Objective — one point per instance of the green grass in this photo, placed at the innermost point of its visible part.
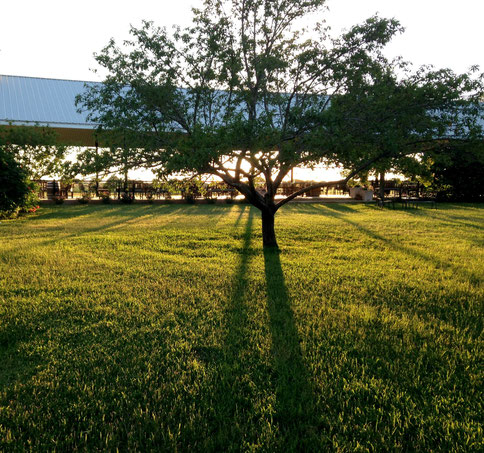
(168, 328)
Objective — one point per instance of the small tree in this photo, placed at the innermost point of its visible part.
(241, 94)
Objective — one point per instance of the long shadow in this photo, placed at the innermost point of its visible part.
(437, 262)
(295, 406)
(229, 403)
(448, 220)
(340, 208)
(241, 213)
(443, 312)
(303, 208)
(236, 312)
(102, 226)
(315, 208)
(54, 212)
(110, 210)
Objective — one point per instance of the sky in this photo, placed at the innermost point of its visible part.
(57, 38)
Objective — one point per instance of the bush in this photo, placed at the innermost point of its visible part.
(59, 200)
(105, 199)
(127, 198)
(17, 193)
(85, 199)
(190, 198)
(459, 174)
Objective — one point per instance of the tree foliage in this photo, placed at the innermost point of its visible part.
(245, 92)
(26, 153)
(16, 191)
(405, 120)
(457, 172)
(35, 148)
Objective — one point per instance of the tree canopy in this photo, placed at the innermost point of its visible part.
(36, 149)
(246, 92)
(26, 154)
(402, 120)
(16, 191)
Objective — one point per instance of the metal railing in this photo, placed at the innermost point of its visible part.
(50, 189)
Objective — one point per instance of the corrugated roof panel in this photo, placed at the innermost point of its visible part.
(27, 100)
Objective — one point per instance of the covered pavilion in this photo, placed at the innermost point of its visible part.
(33, 101)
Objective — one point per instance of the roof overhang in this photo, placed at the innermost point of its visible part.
(37, 102)
(70, 135)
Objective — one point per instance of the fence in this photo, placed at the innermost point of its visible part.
(50, 189)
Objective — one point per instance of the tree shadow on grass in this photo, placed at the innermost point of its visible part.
(295, 406)
(437, 262)
(231, 410)
(17, 364)
(236, 313)
(57, 238)
(109, 210)
(236, 418)
(448, 313)
(60, 213)
(241, 213)
(127, 218)
(315, 208)
(340, 208)
(446, 219)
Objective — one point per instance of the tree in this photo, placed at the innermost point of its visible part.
(457, 172)
(34, 148)
(407, 119)
(241, 94)
(26, 153)
(16, 191)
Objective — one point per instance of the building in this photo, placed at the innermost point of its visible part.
(33, 101)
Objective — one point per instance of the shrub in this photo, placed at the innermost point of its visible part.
(85, 199)
(127, 198)
(190, 199)
(59, 200)
(458, 174)
(17, 193)
(105, 198)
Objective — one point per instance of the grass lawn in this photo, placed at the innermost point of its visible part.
(167, 327)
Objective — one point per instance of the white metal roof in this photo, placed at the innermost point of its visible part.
(46, 102)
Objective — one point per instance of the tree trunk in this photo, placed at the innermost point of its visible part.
(268, 231)
(382, 186)
(125, 187)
